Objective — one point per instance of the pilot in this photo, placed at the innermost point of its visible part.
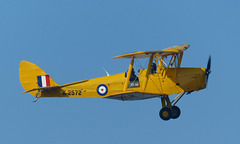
(133, 75)
(153, 68)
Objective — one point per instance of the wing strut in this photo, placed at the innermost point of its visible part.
(128, 75)
(148, 72)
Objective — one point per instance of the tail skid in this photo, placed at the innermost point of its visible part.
(37, 96)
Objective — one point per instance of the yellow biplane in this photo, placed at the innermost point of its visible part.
(162, 77)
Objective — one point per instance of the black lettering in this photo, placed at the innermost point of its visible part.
(64, 93)
(76, 92)
(69, 92)
(79, 92)
(73, 92)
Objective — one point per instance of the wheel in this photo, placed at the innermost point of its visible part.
(165, 113)
(175, 112)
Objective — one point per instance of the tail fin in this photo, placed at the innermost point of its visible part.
(32, 76)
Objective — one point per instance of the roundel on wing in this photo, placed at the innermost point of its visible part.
(102, 89)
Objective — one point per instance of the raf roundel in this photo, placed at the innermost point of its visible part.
(102, 89)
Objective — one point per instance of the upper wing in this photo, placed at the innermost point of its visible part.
(165, 52)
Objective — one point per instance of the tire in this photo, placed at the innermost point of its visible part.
(175, 112)
(165, 113)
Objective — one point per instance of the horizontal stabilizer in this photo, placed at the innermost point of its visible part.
(54, 87)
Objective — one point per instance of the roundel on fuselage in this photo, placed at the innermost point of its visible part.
(102, 89)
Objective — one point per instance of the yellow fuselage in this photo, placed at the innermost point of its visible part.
(167, 82)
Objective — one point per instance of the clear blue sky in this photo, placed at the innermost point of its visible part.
(72, 40)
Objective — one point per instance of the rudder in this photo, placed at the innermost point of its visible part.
(32, 76)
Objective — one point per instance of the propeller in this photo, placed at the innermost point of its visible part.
(208, 70)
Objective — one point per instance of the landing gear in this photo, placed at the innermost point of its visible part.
(175, 112)
(170, 111)
(165, 113)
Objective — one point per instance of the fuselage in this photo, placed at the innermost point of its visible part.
(167, 82)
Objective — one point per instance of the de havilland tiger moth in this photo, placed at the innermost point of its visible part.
(163, 77)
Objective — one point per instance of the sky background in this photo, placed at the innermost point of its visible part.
(73, 39)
